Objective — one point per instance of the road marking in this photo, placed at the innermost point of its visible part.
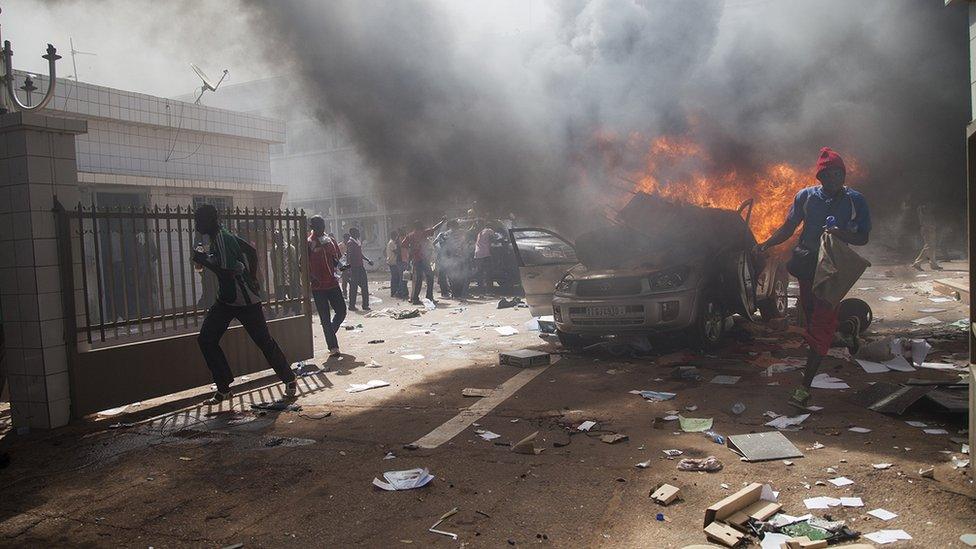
(453, 427)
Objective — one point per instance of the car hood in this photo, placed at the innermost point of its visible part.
(582, 272)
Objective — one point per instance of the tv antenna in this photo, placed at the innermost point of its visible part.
(208, 83)
(75, 52)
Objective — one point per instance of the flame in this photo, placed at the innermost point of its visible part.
(680, 169)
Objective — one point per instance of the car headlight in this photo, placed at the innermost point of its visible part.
(565, 285)
(668, 280)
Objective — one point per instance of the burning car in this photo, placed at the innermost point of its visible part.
(661, 267)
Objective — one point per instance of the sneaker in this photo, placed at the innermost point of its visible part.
(799, 398)
(219, 397)
(291, 389)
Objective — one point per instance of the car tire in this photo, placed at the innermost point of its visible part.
(572, 341)
(776, 305)
(709, 327)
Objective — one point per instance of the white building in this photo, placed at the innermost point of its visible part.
(146, 150)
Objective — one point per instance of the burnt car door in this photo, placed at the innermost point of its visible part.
(543, 258)
(745, 267)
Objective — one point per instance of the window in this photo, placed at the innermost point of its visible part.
(222, 203)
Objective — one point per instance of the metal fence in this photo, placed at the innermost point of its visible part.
(134, 280)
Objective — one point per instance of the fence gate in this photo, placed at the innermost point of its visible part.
(134, 301)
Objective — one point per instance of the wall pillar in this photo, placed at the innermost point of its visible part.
(37, 163)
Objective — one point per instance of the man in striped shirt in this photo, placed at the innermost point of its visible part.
(234, 261)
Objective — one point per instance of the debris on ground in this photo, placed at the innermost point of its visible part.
(709, 464)
(524, 358)
(433, 529)
(371, 384)
(787, 423)
(277, 406)
(725, 380)
(586, 426)
(504, 303)
(472, 392)
(527, 445)
(655, 396)
(765, 446)
(613, 438)
(695, 424)
(404, 480)
(487, 435)
(883, 537)
(665, 494)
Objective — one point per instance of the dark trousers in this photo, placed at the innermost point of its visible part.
(358, 281)
(396, 280)
(324, 301)
(422, 273)
(442, 282)
(252, 318)
(482, 267)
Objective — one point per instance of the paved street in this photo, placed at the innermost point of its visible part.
(170, 473)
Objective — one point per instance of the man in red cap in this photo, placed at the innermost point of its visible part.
(843, 212)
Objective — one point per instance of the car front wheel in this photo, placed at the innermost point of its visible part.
(709, 326)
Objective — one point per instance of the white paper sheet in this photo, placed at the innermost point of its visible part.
(506, 331)
(931, 310)
(821, 502)
(891, 298)
(487, 435)
(851, 502)
(861, 430)
(772, 540)
(941, 299)
(919, 424)
(785, 422)
(882, 514)
(371, 384)
(920, 350)
(873, 367)
(888, 536)
(404, 480)
(840, 481)
(935, 431)
(899, 364)
(927, 321)
(413, 357)
(824, 381)
(938, 366)
(586, 425)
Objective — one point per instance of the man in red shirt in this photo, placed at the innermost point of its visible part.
(323, 256)
(417, 243)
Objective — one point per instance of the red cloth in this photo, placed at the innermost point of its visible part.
(416, 243)
(829, 159)
(323, 255)
(821, 319)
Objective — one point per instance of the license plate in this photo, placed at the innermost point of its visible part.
(605, 311)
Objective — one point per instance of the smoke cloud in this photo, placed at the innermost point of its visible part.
(446, 107)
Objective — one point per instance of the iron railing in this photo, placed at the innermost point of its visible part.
(133, 280)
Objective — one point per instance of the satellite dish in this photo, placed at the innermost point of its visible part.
(208, 83)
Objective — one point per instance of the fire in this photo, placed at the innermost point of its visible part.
(680, 169)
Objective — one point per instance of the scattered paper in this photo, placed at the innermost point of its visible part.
(586, 425)
(487, 435)
(941, 299)
(938, 366)
(840, 481)
(726, 380)
(655, 396)
(891, 298)
(920, 350)
(882, 514)
(780, 520)
(785, 422)
(506, 331)
(935, 431)
(881, 466)
(772, 540)
(918, 424)
(613, 438)
(861, 430)
(931, 310)
(926, 321)
(824, 381)
(899, 364)
(851, 502)
(389, 455)
(695, 424)
(404, 480)
(672, 452)
(768, 494)
(643, 464)
(872, 367)
(821, 502)
(371, 384)
(413, 357)
(887, 536)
